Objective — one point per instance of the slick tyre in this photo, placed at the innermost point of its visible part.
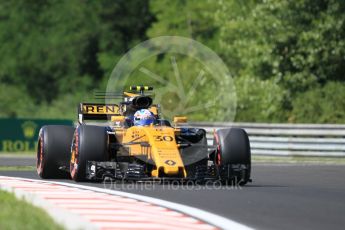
(53, 151)
(233, 149)
(90, 143)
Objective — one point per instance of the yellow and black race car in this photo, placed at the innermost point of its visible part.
(137, 144)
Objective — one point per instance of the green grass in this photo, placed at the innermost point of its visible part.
(17, 154)
(298, 159)
(18, 214)
(17, 168)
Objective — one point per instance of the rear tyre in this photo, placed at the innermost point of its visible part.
(53, 151)
(90, 143)
(233, 156)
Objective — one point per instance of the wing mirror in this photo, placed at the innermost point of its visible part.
(179, 120)
(118, 119)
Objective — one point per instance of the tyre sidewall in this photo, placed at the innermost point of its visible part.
(233, 146)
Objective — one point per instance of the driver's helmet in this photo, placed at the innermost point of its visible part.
(143, 117)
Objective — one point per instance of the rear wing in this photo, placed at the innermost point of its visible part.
(96, 111)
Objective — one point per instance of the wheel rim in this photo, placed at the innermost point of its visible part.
(74, 155)
(218, 154)
(40, 155)
(218, 159)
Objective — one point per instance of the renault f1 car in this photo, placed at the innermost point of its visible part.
(123, 151)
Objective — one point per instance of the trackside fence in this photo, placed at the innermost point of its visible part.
(288, 139)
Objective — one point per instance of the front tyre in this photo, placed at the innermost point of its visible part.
(233, 157)
(90, 143)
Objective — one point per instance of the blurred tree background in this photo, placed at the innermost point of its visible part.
(287, 58)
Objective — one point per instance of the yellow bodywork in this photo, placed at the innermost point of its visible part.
(155, 143)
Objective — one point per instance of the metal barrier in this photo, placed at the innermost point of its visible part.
(288, 139)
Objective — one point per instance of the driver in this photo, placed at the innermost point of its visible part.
(144, 117)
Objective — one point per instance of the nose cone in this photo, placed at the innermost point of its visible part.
(165, 152)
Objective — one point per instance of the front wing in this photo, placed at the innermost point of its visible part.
(99, 171)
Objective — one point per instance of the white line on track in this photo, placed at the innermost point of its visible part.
(85, 207)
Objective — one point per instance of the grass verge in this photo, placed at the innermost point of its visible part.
(298, 159)
(17, 154)
(18, 214)
(17, 168)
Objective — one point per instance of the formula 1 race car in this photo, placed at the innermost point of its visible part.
(137, 144)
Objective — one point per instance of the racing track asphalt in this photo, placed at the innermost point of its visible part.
(281, 196)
